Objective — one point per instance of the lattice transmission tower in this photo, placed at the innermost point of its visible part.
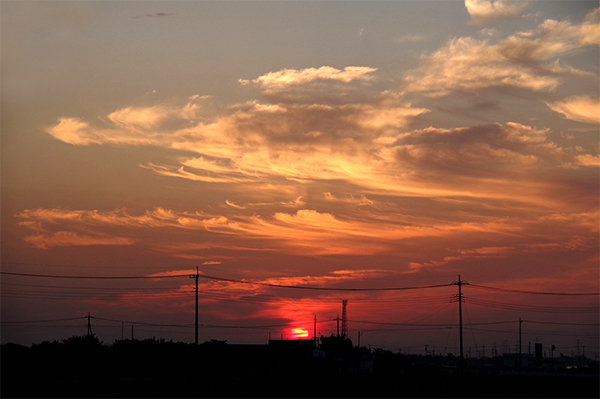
(344, 318)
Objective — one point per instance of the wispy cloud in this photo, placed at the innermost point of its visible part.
(411, 39)
(306, 231)
(69, 239)
(156, 15)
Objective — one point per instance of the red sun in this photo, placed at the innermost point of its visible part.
(297, 333)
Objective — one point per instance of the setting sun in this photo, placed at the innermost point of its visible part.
(298, 333)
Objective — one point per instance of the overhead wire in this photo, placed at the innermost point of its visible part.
(533, 292)
(169, 293)
(93, 277)
(214, 278)
(532, 308)
(204, 276)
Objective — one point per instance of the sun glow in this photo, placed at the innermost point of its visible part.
(298, 333)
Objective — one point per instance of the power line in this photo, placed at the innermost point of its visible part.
(533, 292)
(204, 276)
(564, 324)
(129, 289)
(142, 323)
(533, 308)
(321, 288)
(63, 265)
(431, 325)
(43, 321)
(94, 277)
(530, 333)
(225, 280)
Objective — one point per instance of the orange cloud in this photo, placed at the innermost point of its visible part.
(467, 64)
(68, 239)
(172, 273)
(588, 160)
(137, 117)
(585, 109)
(306, 231)
(287, 77)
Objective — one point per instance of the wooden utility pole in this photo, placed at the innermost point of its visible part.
(196, 276)
(315, 332)
(520, 346)
(460, 283)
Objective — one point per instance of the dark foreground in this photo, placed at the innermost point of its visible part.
(282, 386)
(159, 369)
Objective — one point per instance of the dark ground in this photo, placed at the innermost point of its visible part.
(253, 385)
(166, 369)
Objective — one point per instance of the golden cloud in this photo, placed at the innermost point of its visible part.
(289, 77)
(467, 64)
(585, 109)
(483, 12)
(69, 239)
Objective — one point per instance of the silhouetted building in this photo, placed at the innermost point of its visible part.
(538, 355)
(511, 360)
(295, 347)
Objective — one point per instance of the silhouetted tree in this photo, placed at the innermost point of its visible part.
(337, 347)
(83, 341)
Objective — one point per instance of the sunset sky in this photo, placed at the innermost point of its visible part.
(326, 144)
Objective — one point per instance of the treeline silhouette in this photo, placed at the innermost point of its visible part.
(82, 366)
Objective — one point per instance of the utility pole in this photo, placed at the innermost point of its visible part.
(89, 325)
(315, 332)
(196, 276)
(338, 325)
(520, 346)
(460, 283)
(132, 332)
(359, 339)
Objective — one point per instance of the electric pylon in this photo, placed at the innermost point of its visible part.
(89, 325)
(344, 318)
